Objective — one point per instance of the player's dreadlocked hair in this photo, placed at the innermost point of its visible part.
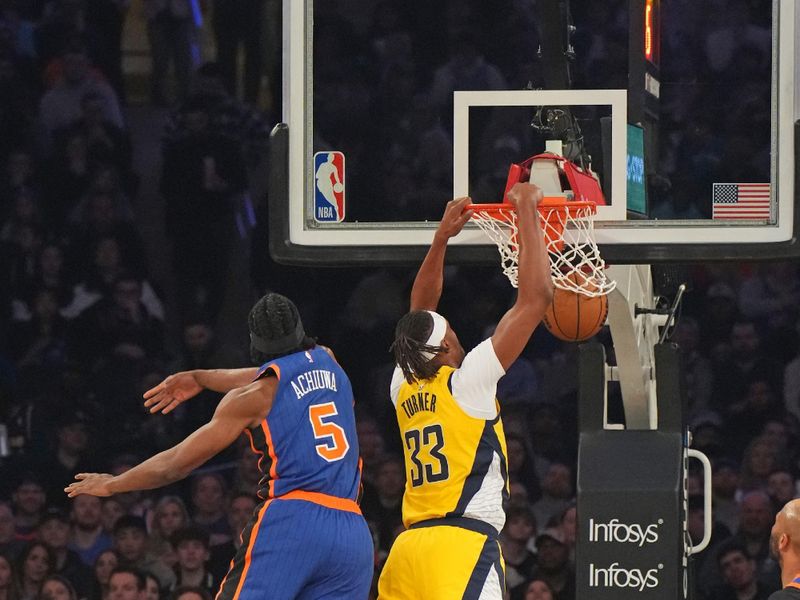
(276, 329)
(412, 331)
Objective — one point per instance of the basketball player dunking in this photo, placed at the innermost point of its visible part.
(452, 435)
(307, 538)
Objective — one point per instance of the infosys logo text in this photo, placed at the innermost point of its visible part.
(615, 576)
(624, 533)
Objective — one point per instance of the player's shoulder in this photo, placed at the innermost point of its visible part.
(788, 593)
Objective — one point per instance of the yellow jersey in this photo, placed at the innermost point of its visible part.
(453, 441)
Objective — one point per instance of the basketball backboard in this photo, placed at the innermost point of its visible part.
(686, 111)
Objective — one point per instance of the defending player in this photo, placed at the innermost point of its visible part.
(307, 539)
(452, 435)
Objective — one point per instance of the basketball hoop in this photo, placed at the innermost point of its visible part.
(568, 227)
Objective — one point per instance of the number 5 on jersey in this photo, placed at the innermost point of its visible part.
(334, 442)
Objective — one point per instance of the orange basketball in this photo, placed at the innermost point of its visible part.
(574, 317)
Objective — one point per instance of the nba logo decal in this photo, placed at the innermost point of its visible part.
(329, 187)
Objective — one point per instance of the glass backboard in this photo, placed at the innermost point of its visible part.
(686, 112)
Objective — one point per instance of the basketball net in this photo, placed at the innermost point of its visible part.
(568, 227)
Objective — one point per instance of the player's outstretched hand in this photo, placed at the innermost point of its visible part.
(525, 192)
(172, 392)
(456, 214)
(90, 484)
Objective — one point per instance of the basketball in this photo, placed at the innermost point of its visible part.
(338, 187)
(574, 317)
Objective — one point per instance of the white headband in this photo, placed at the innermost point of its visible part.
(437, 333)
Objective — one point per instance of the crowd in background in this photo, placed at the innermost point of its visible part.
(85, 328)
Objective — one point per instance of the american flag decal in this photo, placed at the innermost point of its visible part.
(741, 201)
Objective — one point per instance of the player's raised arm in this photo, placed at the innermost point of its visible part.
(535, 291)
(427, 288)
(239, 409)
(180, 387)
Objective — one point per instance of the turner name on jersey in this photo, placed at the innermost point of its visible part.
(418, 402)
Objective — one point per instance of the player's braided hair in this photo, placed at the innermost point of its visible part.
(410, 335)
(275, 317)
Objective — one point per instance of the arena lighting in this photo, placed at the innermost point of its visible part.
(648, 30)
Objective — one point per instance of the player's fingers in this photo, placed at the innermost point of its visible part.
(155, 390)
(154, 399)
(156, 407)
(170, 407)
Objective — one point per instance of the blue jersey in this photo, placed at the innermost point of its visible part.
(308, 440)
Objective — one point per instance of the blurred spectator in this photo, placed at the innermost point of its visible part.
(29, 501)
(19, 172)
(695, 364)
(105, 213)
(382, 507)
(35, 563)
(227, 116)
(569, 527)
(171, 30)
(57, 587)
(106, 142)
(557, 493)
(119, 326)
(371, 445)
(724, 485)
(189, 592)
(517, 494)
(781, 487)
(791, 387)
(538, 589)
(548, 438)
(203, 175)
(745, 363)
(553, 564)
(519, 530)
(771, 295)
(703, 563)
(88, 539)
(169, 515)
(107, 19)
(241, 509)
(718, 315)
(50, 274)
(130, 542)
(192, 549)
(130, 503)
(61, 105)
(69, 455)
(17, 102)
(755, 523)
(8, 578)
(240, 23)
(39, 343)
(10, 546)
(247, 476)
(467, 69)
(152, 589)
(201, 349)
(739, 575)
(759, 404)
(520, 465)
(54, 533)
(112, 510)
(105, 564)
(760, 458)
(126, 584)
(209, 497)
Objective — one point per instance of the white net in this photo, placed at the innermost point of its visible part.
(575, 261)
